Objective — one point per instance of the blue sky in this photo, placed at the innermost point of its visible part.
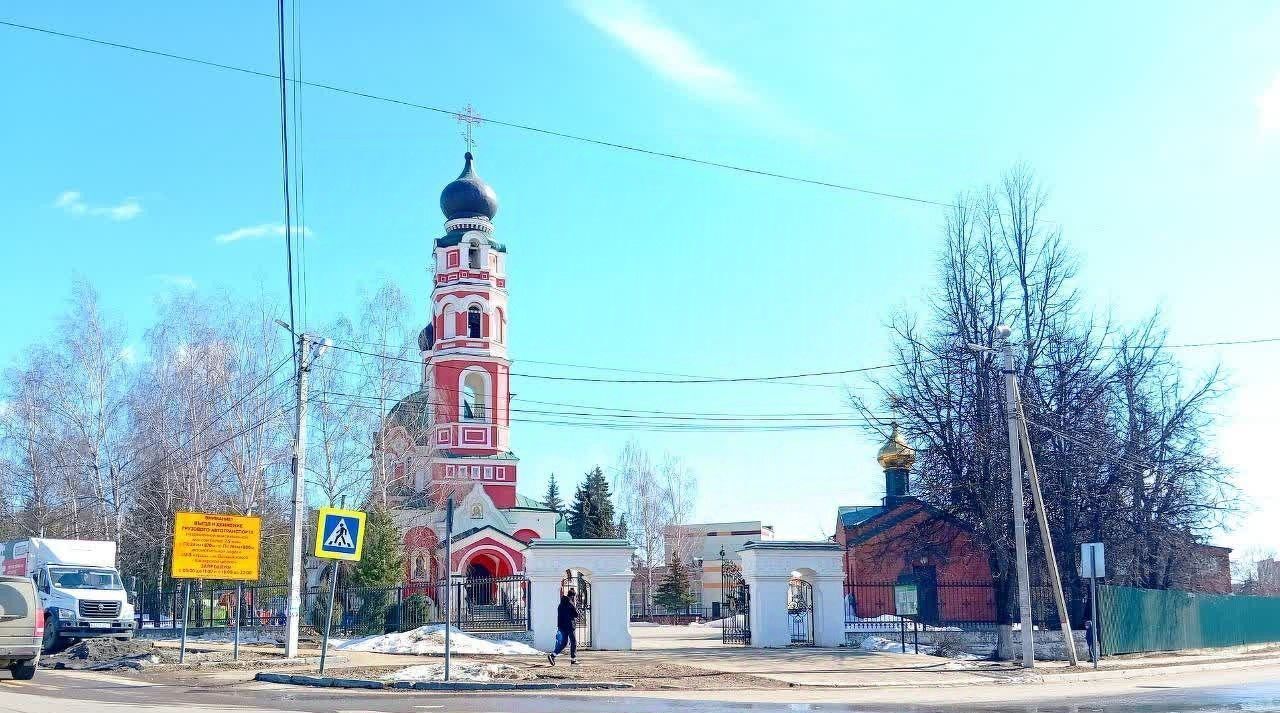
(1155, 125)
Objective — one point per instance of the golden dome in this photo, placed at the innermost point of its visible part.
(895, 453)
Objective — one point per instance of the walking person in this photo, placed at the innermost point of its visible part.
(566, 619)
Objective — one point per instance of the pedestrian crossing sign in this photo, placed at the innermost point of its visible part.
(340, 534)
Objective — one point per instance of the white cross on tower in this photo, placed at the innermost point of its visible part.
(468, 118)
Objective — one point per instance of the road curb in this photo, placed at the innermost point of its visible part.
(372, 684)
(1121, 673)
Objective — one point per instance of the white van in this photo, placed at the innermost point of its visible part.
(78, 586)
(21, 627)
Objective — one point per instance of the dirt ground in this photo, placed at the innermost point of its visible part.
(645, 675)
(139, 654)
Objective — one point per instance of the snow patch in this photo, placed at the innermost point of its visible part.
(429, 640)
(460, 671)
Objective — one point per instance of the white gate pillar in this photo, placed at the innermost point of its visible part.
(768, 568)
(606, 564)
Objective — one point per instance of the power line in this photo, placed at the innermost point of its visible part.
(622, 370)
(652, 426)
(1095, 448)
(1196, 345)
(707, 380)
(523, 399)
(284, 175)
(299, 171)
(208, 424)
(509, 124)
(630, 414)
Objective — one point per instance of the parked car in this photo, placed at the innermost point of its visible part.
(21, 626)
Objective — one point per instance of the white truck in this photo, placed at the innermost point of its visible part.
(79, 587)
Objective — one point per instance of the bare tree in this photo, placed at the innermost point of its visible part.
(1118, 434)
(384, 329)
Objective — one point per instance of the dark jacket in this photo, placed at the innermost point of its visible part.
(566, 614)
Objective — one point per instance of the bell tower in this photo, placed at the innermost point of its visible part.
(466, 370)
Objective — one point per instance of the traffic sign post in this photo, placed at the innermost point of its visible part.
(214, 546)
(339, 536)
(1093, 564)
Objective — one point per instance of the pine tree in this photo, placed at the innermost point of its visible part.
(552, 499)
(623, 532)
(382, 562)
(592, 514)
(380, 565)
(676, 591)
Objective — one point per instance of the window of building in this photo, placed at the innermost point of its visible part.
(450, 322)
(473, 321)
(473, 256)
(474, 396)
(500, 326)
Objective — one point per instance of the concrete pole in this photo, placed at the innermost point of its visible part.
(1019, 506)
(1042, 517)
(298, 469)
(448, 581)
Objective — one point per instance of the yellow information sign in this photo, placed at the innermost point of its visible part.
(212, 546)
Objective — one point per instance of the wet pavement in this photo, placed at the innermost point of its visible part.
(66, 692)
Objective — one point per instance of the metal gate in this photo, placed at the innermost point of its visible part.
(578, 583)
(735, 605)
(800, 612)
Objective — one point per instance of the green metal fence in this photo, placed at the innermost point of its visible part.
(1135, 620)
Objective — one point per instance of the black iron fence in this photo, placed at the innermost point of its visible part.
(659, 614)
(484, 605)
(871, 606)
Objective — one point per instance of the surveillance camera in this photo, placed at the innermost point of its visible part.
(1003, 331)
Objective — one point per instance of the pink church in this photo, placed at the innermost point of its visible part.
(453, 436)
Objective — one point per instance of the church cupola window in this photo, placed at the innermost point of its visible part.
(473, 255)
(473, 321)
(500, 325)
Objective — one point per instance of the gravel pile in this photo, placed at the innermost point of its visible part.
(139, 654)
(109, 654)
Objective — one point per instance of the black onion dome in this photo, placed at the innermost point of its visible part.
(426, 338)
(468, 196)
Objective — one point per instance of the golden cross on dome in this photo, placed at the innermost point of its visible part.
(469, 119)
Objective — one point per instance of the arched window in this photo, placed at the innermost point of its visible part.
(474, 396)
(450, 322)
(419, 568)
(473, 321)
(473, 256)
(499, 329)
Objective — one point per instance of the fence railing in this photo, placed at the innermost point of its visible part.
(871, 606)
(494, 604)
(660, 614)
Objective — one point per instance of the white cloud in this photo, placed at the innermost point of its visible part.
(185, 282)
(265, 230)
(665, 50)
(1269, 107)
(73, 202)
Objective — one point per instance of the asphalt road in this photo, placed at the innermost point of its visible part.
(66, 692)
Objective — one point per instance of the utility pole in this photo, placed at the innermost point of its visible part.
(306, 345)
(448, 580)
(1043, 518)
(1019, 506)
